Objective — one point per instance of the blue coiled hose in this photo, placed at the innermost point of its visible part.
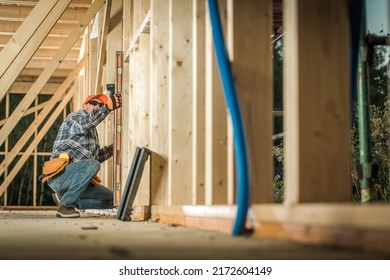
(242, 161)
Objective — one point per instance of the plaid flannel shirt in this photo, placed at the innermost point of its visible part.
(78, 136)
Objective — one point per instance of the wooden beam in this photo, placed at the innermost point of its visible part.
(159, 36)
(143, 132)
(216, 149)
(252, 68)
(316, 101)
(45, 75)
(40, 118)
(143, 28)
(26, 48)
(102, 47)
(198, 102)
(127, 142)
(26, 30)
(180, 103)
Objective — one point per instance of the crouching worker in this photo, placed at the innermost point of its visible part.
(77, 155)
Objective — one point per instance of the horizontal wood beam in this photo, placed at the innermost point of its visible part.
(366, 227)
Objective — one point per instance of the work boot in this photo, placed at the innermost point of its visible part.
(56, 197)
(67, 212)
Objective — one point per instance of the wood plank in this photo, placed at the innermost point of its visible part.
(143, 132)
(180, 103)
(114, 44)
(102, 47)
(45, 75)
(22, 36)
(26, 52)
(216, 153)
(159, 35)
(316, 102)
(126, 144)
(252, 68)
(144, 28)
(346, 225)
(198, 103)
(135, 76)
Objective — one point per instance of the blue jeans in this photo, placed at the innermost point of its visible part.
(74, 184)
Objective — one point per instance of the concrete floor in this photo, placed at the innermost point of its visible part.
(40, 235)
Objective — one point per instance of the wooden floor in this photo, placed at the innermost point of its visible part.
(40, 235)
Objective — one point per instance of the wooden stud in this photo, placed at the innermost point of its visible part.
(102, 47)
(198, 103)
(143, 132)
(252, 70)
(216, 123)
(180, 103)
(316, 101)
(159, 76)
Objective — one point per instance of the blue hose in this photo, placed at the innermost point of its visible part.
(240, 148)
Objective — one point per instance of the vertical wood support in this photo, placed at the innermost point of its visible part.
(216, 177)
(198, 102)
(118, 114)
(114, 44)
(144, 105)
(316, 101)
(126, 144)
(252, 69)
(180, 103)
(159, 35)
(143, 132)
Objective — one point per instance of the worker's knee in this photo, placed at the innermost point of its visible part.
(92, 165)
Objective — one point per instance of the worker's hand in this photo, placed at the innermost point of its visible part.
(114, 102)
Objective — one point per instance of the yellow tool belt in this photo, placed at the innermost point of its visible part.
(54, 166)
